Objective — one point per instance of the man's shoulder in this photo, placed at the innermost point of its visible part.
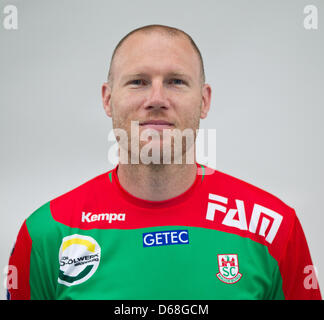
(240, 189)
(239, 207)
(61, 208)
(86, 190)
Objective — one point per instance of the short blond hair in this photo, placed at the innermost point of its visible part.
(171, 31)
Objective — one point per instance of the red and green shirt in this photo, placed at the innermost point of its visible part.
(223, 238)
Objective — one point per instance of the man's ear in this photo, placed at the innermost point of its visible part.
(106, 98)
(206, 99)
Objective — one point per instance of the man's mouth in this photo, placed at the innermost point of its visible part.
(156, 124)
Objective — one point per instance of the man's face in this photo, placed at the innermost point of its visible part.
(157, 82)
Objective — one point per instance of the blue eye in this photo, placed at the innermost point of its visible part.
(137, 82)
(177, 81)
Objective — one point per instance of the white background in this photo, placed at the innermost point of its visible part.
(265, 69)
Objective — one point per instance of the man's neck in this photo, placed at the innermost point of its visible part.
(156, 182)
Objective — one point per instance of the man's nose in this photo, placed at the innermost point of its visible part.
(157, 98)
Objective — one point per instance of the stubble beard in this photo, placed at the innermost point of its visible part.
(173, 146)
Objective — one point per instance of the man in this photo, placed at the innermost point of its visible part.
(161, 230)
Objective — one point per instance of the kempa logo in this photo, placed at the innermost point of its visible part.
(79, 257)
(91, 217)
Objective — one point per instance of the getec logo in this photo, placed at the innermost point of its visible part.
(164, 238)
(79, 257)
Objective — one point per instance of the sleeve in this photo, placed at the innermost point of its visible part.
(299, 280)
(18, 286)
(33, 264)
